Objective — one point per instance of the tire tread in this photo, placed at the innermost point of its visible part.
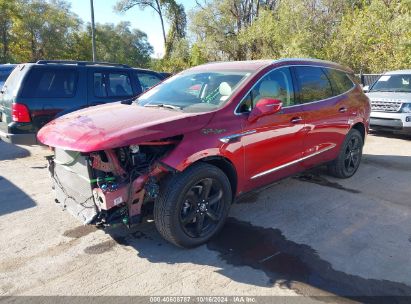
(169, 191)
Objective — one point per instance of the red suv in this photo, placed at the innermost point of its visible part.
(195, 142)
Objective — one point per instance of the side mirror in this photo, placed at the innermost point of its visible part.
(365, 89)
(265, 106)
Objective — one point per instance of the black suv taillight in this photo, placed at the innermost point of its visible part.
(20, 113)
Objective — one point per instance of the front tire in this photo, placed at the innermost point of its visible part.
(349, 158)
(193, 205)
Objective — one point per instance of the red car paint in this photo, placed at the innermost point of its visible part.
(294, 137)
(116, 125)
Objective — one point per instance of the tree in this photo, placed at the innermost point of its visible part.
(217, 25)
(178, 20)
(119, 43)
(374, 38)
(159, 6)
(8, 15)
(44, 30)
(299, 28)
(47, 29)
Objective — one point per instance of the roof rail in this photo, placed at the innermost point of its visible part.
(83, 63)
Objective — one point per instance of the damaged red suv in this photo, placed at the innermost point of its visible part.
(195, 142)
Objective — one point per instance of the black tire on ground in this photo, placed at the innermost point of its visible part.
(193, 205)
(349, 158)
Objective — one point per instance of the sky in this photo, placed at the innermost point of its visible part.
(146, 21)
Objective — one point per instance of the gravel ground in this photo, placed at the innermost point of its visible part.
(306, 235)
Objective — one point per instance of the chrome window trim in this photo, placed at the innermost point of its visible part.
(307, 103)
(292, 162)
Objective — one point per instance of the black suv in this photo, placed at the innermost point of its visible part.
(35, 93)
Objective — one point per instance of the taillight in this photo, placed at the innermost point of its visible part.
(20, 113)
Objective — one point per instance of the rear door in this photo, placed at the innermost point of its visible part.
(326, 112)
(110, 85)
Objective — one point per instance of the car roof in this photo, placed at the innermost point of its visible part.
(255, 65)
(398, 72)
(84, 64)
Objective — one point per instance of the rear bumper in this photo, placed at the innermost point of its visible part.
(19, 139)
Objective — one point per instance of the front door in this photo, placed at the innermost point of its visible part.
(273, 144)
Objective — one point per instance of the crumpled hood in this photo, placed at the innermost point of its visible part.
(116, 125)
(389, 96)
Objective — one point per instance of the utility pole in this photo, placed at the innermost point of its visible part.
(93, 37)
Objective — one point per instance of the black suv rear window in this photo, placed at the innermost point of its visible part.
(50, 83)
(340, 82)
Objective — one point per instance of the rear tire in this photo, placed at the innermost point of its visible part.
(193, 205)
(349, 158)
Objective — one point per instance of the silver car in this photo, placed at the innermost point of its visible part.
(390, 98)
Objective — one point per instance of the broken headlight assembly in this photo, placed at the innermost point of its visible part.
(111, 186)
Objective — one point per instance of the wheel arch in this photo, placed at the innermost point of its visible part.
(360, 127)
(225, 165)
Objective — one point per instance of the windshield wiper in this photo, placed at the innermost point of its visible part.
(163, 105)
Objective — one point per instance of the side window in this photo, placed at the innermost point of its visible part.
(99, 85)
(147, 80)
(276, 85)
(112, 85)
(340, 81)
(50, 83)
(314, 84)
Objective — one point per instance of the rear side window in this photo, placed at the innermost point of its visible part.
(314, 84)
(112, 85)
(147, 80)
(340, 81)
(50, 83)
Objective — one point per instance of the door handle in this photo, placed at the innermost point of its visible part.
(342, 110)
(295, 120)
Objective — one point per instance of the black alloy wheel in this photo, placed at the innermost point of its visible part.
(352, 155)
(349, 158)
(193, 205)
(202, 208)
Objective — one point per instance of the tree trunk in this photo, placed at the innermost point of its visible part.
(5, 44)
(33, 47)
(162, 22)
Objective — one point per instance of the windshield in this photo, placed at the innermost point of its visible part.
(194, 92)
(393, 83)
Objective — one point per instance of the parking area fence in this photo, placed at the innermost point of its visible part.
(368, 79)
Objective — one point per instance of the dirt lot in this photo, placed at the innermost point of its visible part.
(310, 235)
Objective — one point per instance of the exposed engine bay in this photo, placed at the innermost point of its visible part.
(110, 187)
